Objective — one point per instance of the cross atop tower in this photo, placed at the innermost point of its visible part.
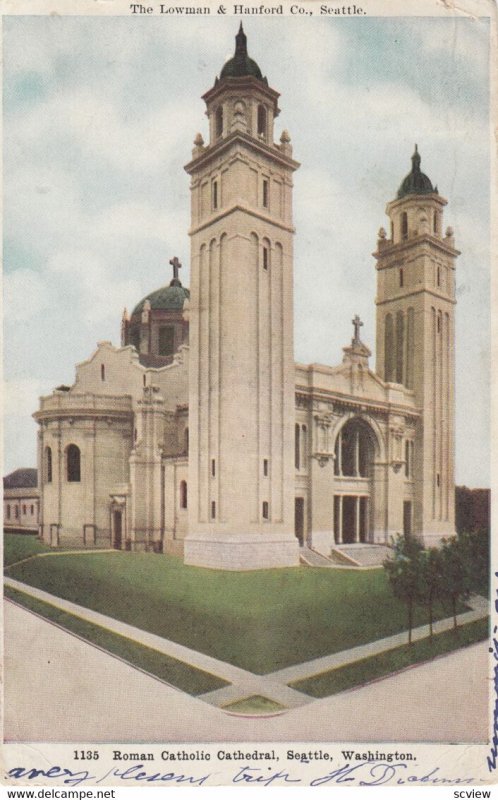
(357, 325)
(176, 264)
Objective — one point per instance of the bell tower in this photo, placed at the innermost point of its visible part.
(416, 339)
(241, 382)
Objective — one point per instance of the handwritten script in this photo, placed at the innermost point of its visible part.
(372, 774)
(492, 758)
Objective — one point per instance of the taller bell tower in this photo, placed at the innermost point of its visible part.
(416, 340)
(242, 385)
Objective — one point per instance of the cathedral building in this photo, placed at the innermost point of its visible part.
(200, 435)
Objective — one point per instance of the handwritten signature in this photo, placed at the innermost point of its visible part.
(371, 774)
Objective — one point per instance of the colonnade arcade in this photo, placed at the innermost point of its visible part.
(354, 455)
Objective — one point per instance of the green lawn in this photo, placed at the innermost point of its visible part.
(262, 621)
(185, 677)
(368, 669)
(17, 546)
(254, 705)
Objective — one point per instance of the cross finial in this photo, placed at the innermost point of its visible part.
(175, 263)
(357, 325)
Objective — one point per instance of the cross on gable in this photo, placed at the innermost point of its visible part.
(176, 264)
(357, 325)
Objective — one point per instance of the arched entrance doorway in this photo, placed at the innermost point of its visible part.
(354, 455)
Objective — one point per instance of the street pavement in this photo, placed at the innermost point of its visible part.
(60, 688)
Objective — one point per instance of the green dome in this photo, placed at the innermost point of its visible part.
(168, 298)
(416, 182)
(240, 65)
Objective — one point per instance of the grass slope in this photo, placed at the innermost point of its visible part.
(183, 676)
(262, 621)
(378, 666)
(18, 546)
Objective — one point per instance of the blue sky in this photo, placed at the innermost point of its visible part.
(99, 118)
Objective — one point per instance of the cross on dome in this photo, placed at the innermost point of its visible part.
(176, 264)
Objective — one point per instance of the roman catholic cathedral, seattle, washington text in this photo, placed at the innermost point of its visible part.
(200, 436)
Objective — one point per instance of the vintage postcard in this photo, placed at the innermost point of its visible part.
(247, 461)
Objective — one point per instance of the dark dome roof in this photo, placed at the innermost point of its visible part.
(416, 182)
(168, 298)
(240, 65)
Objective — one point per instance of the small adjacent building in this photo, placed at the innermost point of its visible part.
(21, 501)
(201, 436)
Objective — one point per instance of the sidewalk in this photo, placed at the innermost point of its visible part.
(59, 688)
(244, 683)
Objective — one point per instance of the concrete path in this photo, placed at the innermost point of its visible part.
(243, 683)
(59, 688)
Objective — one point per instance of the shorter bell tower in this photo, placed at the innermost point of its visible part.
(416, 339)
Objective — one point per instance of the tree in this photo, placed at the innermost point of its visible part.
(403, 571)
(456, 574)
(430, 581)
(475, 547)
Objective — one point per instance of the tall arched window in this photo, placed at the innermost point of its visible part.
(389, 348)
(400, 339)
(410, 347)
(262, 121)
(73, 463)
(404, 225)
(219, 122)
(297, 447)
(185, 441)
(48, 465)
(183, 494)
(304, 443)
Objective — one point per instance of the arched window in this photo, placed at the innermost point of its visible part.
(183, 494)
(389, 349)
(297, 447)
(404, 225)
(166, 340)
(219, 122)
(304, 443)
(407, 459)
(400, 339)
(262, 121)
(102, 372)
(48, 465)
(266, 511)
(266, 254)
(185, 441)
(436, 222)
(266, 193)
(8, 511)
(401, 278)
(438, 278)
(73, 463)
(354, 451)
(410, 346)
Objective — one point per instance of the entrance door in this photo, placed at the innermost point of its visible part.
(299, 520)
(407, 517)
(118, 532)
(348, 519)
